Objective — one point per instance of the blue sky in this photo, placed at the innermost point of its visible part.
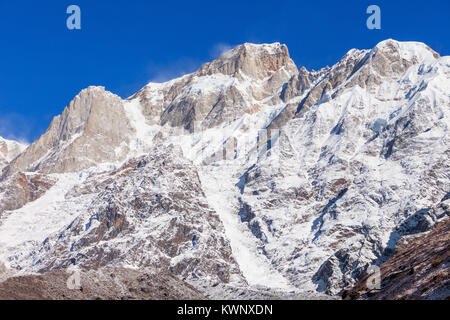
(125, 44)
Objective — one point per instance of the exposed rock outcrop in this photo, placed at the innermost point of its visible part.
(101, 284)
(19, 189)
(9, 149)
(420, 270)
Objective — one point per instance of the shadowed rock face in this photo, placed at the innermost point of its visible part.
(420, 270)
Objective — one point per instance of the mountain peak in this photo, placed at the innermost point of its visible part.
(246, 173)
(241, 81)
(90, 130)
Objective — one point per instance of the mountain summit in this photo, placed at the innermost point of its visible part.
(247, 173)
(9, 149)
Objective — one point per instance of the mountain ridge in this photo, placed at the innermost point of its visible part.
(220, 65)
(307, 177)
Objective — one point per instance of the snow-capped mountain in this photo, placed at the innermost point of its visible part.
(247, 173)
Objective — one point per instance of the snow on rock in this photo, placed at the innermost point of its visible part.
(246, 173)
(25, 229)
(10, 149)
(221, 193)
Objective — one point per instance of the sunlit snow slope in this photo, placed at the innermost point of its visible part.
(248, 173)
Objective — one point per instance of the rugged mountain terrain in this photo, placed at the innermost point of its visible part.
(9, 149)
(248, 174)
(102, 284)
(419, 271)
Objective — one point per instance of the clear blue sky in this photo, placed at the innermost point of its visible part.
(124, 44)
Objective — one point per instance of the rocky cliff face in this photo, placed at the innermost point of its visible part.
(151, 212)
(93, 129)
(99, 127)
(20, 188)
(237, 83)
(9, 150)
(248, 173)
(343, 175)
(101, 284)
